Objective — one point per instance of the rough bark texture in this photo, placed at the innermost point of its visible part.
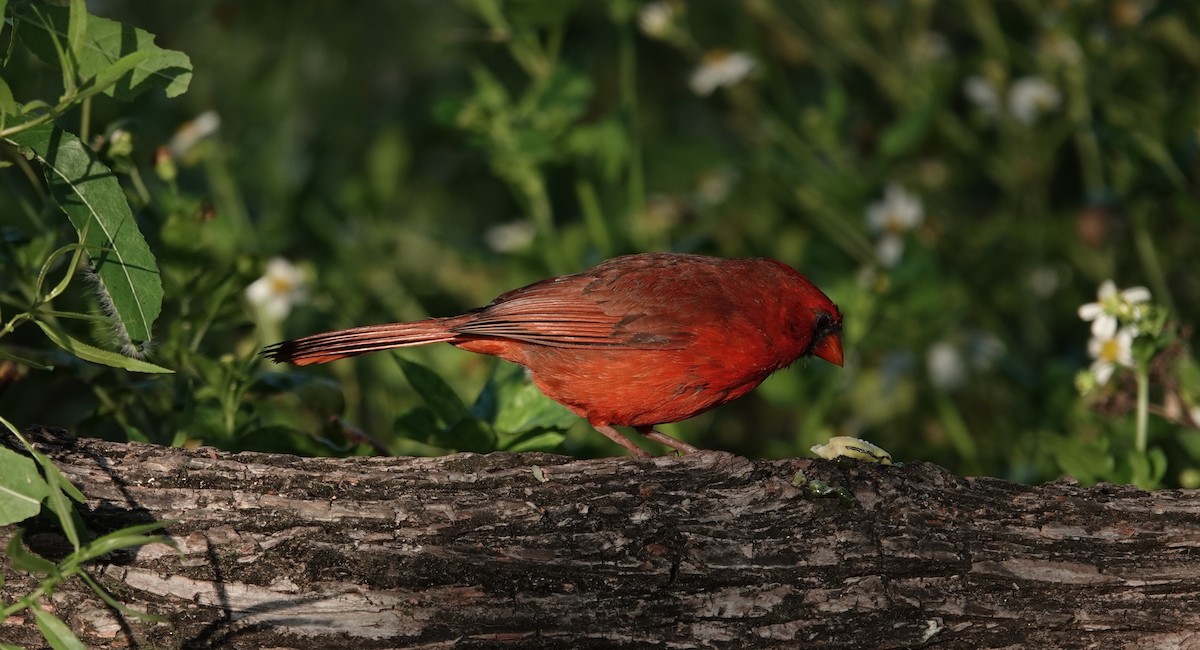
(539, 551)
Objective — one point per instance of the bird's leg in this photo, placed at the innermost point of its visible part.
(617, 437)
(663, 439)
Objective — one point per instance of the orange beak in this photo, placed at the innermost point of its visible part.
(829, 349)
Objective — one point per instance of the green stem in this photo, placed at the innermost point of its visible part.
(1143, 406)
(85, 118)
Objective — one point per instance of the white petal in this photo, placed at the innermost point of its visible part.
(1091, 311)
(259, 291)
(1103, 371)
(1104, 327)
(1136, 294)
(889, 250)
(947, 370)
(1108, 289)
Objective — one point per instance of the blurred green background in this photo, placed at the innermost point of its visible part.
(959, 176)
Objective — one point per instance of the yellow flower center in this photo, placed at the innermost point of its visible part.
(1110, 350)
(281, 285)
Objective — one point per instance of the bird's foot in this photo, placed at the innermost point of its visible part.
(617, 437)
(663, 439)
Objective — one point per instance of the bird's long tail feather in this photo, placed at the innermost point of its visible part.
(330, 346)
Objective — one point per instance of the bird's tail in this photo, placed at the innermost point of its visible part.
(330, 346)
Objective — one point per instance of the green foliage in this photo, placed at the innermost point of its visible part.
(89, 193)
(24, 489)
(118, 60)
(21, 488)
(510, 414)
(959, 177)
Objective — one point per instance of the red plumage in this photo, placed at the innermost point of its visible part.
(637, 341)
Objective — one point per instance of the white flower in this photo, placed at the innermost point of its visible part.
(889, 249)
(946, 367)
(1029, 97)
(656, 18)
(205, 124)
(898, 212)
(278, 290)
(1111, 305)
(890, 218)
(982, 94)
(510, 237)
(1110, 348)
(721, 68)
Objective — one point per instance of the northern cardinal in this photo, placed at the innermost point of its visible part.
(637, 341)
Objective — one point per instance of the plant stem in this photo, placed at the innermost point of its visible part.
(1143, 406)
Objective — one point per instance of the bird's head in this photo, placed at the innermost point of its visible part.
(827, 335)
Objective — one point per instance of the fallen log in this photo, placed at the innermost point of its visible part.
(707, 550)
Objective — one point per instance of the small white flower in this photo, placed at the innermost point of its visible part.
(1110, 348)
(946, 367)
(656, 18)
(897, 213)
(188, 135)
(278, 290)
(890, 218)
(982, 94)
(510, 237)
(721, 68)
(889, 249)
(1112, 305)
(1029, 97)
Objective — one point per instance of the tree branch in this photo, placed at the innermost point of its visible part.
(534, 550)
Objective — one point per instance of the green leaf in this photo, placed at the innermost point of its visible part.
(77, 24)
(514, 405)
(438, 395)
(116, 604)
(106, 42)
(124, 538)
(8, 104)
(98, 355)
(468, 434)
(58, 635)
(58, 503)
(107, 77)
(21, 487)
(24, 560)
(90, 195)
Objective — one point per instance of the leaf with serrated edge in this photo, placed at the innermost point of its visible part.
(106, 41)
(90, 195)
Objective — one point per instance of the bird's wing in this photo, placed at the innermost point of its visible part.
(576, 311)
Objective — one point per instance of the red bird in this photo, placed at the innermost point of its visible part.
(638, 341)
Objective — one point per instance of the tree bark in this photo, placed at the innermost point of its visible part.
(706, 550)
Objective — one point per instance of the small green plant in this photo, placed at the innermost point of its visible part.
(23, 491)
(96, 57)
